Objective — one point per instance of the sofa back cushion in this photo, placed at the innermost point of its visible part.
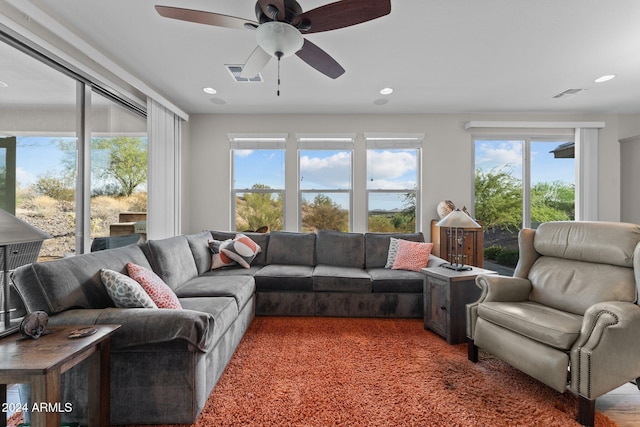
(340, 249)
(199, 245)
(291, 248)
(583, 263)
(172, 260)
(377, 246)
(73, 282)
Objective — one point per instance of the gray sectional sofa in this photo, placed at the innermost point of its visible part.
(165, 363)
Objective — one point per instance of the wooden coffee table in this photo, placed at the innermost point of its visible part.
(41, 362)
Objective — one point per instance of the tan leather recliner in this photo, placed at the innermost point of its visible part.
(569, 315)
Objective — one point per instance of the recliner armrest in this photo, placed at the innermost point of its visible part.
(605, 355)
(496, 288)
(503, 288)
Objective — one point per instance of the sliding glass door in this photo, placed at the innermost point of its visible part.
(522, 182)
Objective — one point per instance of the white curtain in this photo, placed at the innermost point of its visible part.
(164, 172)
(586, 155)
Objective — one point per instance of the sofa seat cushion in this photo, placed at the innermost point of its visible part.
(241, 288)
(331, 278)
(235, 270)
(223, 309)
(547, 325)
(280, 277)
(396, 281)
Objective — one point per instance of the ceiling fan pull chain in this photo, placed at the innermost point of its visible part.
(279, 55)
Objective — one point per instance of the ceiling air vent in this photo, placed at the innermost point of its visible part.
(235, 71)
(568, 93)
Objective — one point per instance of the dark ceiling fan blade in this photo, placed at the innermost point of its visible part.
(202, 17)
(255, 63)
(268, 5)
(320, 60)
(341, 14)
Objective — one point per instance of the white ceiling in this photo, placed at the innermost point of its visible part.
(439, 56)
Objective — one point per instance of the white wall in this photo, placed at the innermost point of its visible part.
(447, 164)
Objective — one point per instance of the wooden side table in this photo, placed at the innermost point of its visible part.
(41, 362)
(446, 293)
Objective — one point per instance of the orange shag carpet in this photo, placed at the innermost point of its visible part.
(299, 371)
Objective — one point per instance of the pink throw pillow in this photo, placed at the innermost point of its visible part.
(158, 291)
(412, 255)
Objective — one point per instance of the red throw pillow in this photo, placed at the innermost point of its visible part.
(158, 291)
(412, 255)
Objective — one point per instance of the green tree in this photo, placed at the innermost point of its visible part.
(380, 224)
(498, 197)
(552, 201)
(324, 214)
(121, 162)
(126, 163)
(259, 209)
(405, 221)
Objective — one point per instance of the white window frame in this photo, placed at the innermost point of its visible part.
(525, 178)
(325, 142)
(586, 155)
(255, 141)
(397, 141)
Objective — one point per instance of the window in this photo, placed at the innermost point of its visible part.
(325, 172)
(46, 183)
(392, 182)
(118, 170)
(39, 126)
(522, 182)
(258, 181)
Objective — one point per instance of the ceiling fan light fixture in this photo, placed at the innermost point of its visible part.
(605, 78)
(279, 39)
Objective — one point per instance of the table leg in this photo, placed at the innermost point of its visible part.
(46, 398)
(99, 386)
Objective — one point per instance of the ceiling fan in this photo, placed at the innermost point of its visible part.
(280, 25)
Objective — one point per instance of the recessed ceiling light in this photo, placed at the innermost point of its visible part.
(386, 91)
(605, 78)
(209, 90)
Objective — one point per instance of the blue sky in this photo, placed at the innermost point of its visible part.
(544, 167)
(36, 156)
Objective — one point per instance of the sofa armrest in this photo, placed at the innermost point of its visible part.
(605, 355)
(496, 288)
(141, 326)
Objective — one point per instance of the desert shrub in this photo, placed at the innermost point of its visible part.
(137, 202)
(508, 257)
(45, 206)
(55, 187)
(492, 252)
